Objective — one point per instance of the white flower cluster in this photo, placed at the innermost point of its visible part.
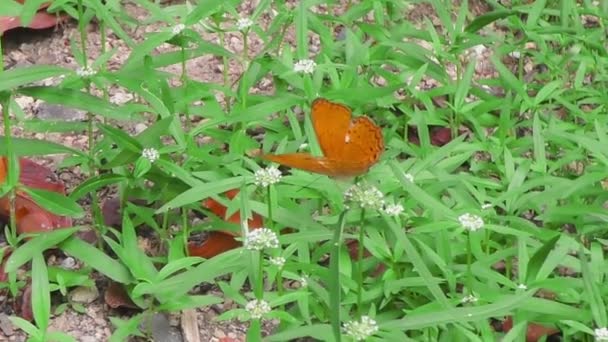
(601, 334)
(471, 222)
(151, 154)
(85, 72)
(277, 261)
(257, 308)
(365, 196)
(305, 66)
(243, 23)
(469, 299)
(177, 29)
(362, 329)
(258, 239)
(393, 209)
(267, 176)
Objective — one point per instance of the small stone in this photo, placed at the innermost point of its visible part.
(68, 263)
(88, 339)
(84, 295)
(140, 127)
(48, 111)
(5, 325)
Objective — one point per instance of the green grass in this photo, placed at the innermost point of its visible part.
(529, 157)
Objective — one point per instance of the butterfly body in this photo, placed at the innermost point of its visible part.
(350, 146)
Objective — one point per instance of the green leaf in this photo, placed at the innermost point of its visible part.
(201, 192)
(121, 138)
(537, 260)
(203, 10)
(10, 8)
(15, 78)
(41, 297)
(54, 202)
(79, 100)
(35, 147)
(483, 20)
(97, 259)
(41, 242)
(95, 183)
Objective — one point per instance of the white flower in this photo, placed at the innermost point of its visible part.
(469, 299)
(258, 239)
(515, 54)
(522, 287)
(409, 177)
(177, 29)
(243, 23)
(304, 281)
(393, 209)
(486, 206)
(277, 261)
(267, 176)
(85, 72)
(366, 196)
(257, 308)
(601, 334)
(305, 66)
(360, 330)
(151, 154)
(470, 222)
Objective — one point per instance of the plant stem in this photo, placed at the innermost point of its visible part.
(335, 287)
(469, 262)
(184, 78)
(360, 249)
(97, 217)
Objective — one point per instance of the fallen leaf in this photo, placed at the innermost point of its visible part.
(30, 216)
(535, 331)
(353, 250)
(219, 242)
(23, 303)
(41, 20)
(439, 135)
(117, 297)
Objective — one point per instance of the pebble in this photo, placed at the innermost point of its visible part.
(48, 111)
(68, 263)
(83, 294)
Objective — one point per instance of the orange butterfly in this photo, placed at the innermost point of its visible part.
(350, 147)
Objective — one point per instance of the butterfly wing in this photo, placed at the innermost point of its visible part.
(363, 147)
(349, 148)
(303, 161)
(331, 122)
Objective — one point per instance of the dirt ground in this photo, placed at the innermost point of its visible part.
(52, 46)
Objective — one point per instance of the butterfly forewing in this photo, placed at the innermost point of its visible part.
(331, 121)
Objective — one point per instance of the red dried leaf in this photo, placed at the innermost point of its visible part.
(221, 241)
(23, 303)
(116, 297)
(41, 20)
(30, 216)
(4, 275)
(535, 331)
(216, 243)
(229, 339)
(439, 135)
(353, 251)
